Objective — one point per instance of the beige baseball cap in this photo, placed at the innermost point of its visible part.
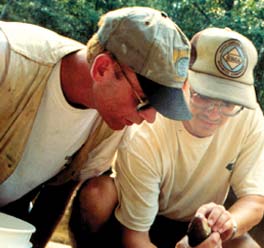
(221, 66)
(154, 47)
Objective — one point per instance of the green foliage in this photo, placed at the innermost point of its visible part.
(78, 18)
(75, 19)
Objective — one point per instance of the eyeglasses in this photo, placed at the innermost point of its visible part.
(208, 104)
(144, 103)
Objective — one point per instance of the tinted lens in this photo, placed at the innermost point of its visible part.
(208, 104)
(231, 112)
(148, 86)
(143, 106)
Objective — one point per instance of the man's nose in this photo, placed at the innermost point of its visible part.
(149, 115)
(214, 111)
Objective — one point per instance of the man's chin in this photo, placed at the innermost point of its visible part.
(116, 126)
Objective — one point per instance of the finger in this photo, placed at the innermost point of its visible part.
(206, 209)
(222, 222)
(229, 230)
(215, 214)
(214, 240)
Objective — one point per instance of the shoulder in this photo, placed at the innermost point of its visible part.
(145, 131)
(248, 125)
(249, 120)
(33, 41)
(160, 135)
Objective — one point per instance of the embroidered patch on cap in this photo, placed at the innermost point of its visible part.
(182, 65)
(230, 59)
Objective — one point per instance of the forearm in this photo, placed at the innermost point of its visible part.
(247, 212)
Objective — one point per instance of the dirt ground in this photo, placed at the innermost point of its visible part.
(61, 234)
(57, 245)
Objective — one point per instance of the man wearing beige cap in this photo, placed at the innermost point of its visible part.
(170, 171)
(60, 102)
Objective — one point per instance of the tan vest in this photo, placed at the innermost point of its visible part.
(32, 53)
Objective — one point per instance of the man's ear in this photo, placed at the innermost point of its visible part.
(102, 65)
(186, 85)
(186, 91)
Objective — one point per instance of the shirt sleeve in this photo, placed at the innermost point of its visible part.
(101, 157)
(248, 176)
(137, 181)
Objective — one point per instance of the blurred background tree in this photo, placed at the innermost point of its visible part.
(78, 18)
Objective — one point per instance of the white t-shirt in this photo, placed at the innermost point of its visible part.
(162, 169)
(59, 130)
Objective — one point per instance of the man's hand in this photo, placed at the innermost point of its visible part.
(213, 241)
(219, 219)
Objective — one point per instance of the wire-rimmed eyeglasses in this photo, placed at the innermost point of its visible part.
(144, 103)
(208, 104)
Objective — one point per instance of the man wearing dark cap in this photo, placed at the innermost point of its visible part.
(170, 171)
(61, 102)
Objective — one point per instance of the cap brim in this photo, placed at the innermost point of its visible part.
(223, 89)
(170, 102)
